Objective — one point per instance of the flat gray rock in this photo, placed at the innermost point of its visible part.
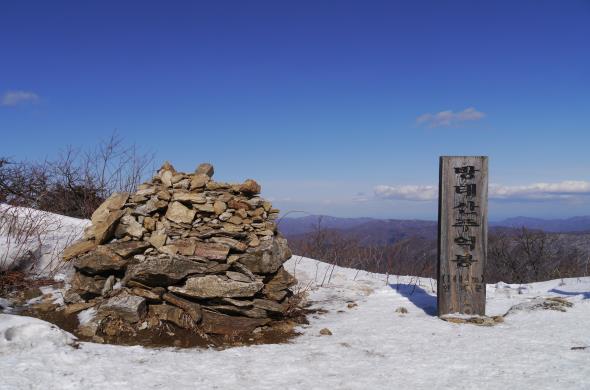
(155, 271)
(127, 307)
(213, 286)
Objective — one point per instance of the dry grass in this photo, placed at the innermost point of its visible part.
(15, 281)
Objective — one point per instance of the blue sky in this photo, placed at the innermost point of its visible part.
(335, 107)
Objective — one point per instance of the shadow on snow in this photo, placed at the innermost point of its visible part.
(586, 295)
(418, 296)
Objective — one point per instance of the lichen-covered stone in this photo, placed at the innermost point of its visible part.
(205, 169)
(211, 250)
(165, 271)
(177, 212)
(77, 249)
(113, 203)
(250, 187)
(100, 261)
(128, 226)
(87, 284)
(171, 314)
(128, 307)
(128, 248)
(269, 260)
(214, 286)
(217, 323)
(103, 230)
(193, 309)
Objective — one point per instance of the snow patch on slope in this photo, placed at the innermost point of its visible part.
(26, 333)
(42, 237)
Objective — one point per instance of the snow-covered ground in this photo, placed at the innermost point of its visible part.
(372, 345)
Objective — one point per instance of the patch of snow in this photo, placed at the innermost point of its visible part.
(118, 285)
(21, 334)
(57, 294)
(53, 233)
(85, 316)
(5, 305)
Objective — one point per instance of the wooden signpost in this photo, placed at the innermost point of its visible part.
(462, 235)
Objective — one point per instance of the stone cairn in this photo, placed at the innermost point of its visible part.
(183, 249)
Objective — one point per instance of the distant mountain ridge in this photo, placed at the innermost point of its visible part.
(301, 225)
(568, 225)
(387, 231)
(367, 230)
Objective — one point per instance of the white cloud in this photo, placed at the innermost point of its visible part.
(406, 192)
(14, 98)
(537, 191)
(540, 191)
(449, 118)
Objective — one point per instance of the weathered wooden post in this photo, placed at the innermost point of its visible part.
(462, 235)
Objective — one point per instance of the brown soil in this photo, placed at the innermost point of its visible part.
(164, 334)
(169, 335)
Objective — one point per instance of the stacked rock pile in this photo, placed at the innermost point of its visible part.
(183, 249)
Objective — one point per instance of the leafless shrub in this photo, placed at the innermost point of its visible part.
(528, 255)
(74, 184)
(514, 255)
(295, 302)
(77, 182)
